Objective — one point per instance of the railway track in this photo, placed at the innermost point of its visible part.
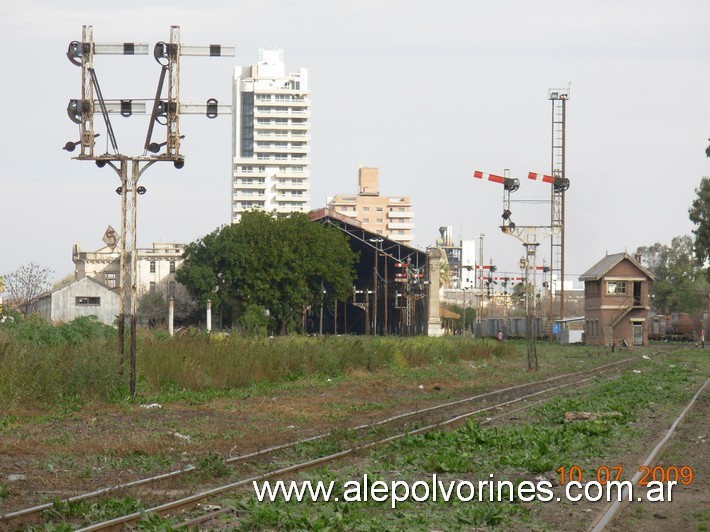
(447, 414)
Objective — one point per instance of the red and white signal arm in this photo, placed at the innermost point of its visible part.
(490, 177)
(541, 177)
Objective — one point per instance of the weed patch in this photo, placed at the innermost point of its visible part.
(585, 428)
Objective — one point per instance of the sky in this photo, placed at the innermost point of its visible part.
(427, 92)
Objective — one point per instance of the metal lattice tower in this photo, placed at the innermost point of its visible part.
(559, 98)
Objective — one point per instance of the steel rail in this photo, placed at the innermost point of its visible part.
(611, 511)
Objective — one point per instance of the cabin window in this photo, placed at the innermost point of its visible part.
(616, 287)
(591, 288)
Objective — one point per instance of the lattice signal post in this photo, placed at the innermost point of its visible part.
(530, 236)
(165, 111)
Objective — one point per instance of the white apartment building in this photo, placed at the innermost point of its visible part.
(270, 137)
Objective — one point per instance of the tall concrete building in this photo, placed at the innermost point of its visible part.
(270, 137)
(389, 216)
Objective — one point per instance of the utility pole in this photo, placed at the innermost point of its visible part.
(377, 243)
(479, 313)
(463, 328)
(387, 286)
(165, 111)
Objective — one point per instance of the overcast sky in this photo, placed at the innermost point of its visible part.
(427, 92)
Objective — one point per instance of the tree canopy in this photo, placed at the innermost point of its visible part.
(699, 214)
(283, 264)
(678, 286)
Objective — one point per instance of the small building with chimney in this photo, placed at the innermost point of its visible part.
(387, 216)
(616, 305)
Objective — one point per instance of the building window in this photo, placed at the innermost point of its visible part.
(591, 288)
(366, 220)
(172, 266)
(379, 220)
(366, 209)
(152, 266)
(152, 287)
(110, 279)
(247, 125)
(379, 209)
(616, 287)
(87, 300)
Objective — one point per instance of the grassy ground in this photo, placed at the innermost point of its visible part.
(229, 395)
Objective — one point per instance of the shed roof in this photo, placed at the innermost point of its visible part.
(76, 281)
(601, 268)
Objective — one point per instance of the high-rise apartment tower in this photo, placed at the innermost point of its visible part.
(270, 137)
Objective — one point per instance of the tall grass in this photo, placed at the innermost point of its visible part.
(209, 363)
(48, 365)
(67, 365)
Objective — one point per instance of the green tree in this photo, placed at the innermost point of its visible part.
(254, 321)
(678, 286)
(279, 263)
(153, 306)
(699, 214)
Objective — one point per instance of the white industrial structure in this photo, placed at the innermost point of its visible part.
(155, 267)
(270, 137)
(468, 264)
